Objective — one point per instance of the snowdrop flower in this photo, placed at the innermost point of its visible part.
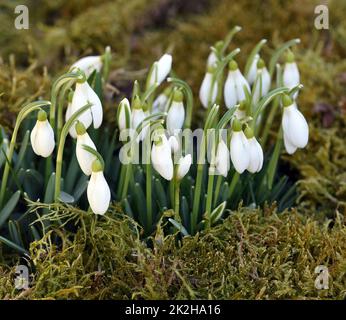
(124, 115)
(222, 160)
(69, 104)
(161, 157)
(294, 125)
(160, 104)
(42, 136)
(183, 168)
(262, 83)
(84, 157)
(212, 59)
(173, 142)
(205, 89)
(98, 192)
(176, 114)
(234, 86)
(239, 148)
(251, 76)
(138, 115)
(255, 152)
(160, 70)
(88, 64)
(291, 76)
(84, 94)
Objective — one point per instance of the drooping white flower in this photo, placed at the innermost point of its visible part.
(173, 142)
(160, 104)
(124, 115)
(294, 125)
(160, 69)
(239, 148)
(205, 91)
(138, 115)
(212, 59)
(82, 95)
(88, 64)
(161, 157)
(84, 157)
(262, 83)
(251, 76)
(222, 160)
(184, 165)
(98, 192)
(291, 77)
(255, 152)
(42, 136)
(176, 114)
(234, 91)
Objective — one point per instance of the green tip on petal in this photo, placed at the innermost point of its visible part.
(286, 100)
(136, 103)
(178, 96)
(80, 128)
(96, 166)
(236, 125)
(248, 133)
(290, 57)
(145, 106)
(260, 64)
(232, 66)
(42, 115)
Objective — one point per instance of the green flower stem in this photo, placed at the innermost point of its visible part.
(177, 200)
(148, 189)
(123, 170)
(25, 111)
(217, 189)
(128, 174)
(60, 154)
(229, 38)
(200, 166)
(233, 184)
(269, 121)
(210, 191)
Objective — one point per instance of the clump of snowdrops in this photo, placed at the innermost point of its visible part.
(156, 166)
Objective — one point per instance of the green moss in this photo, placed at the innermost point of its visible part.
(253, 254)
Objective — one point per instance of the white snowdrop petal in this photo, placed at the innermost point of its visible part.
(184, 165)
(251, 76)
(205, 90)
(164, 67)
(88, 64)
(230, 92)
(175, 117)
(161, 159)
(43, 139)
(222, 160)
(240, 83)
(33, 139)
(173, 142)
(159, 104)
(84, 157)
(295, 127)
(239, 152)
(98, 193)
(290, 148)
(79, 100)
(212, 59)
(96, 107)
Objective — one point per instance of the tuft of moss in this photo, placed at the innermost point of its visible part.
(253, 254)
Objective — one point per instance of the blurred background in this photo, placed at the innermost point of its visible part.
(139, 31)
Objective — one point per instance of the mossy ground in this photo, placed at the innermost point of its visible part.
(253, 254)
(259, 254)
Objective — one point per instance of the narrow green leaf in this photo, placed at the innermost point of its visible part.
(179, 226)
(9, 207)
